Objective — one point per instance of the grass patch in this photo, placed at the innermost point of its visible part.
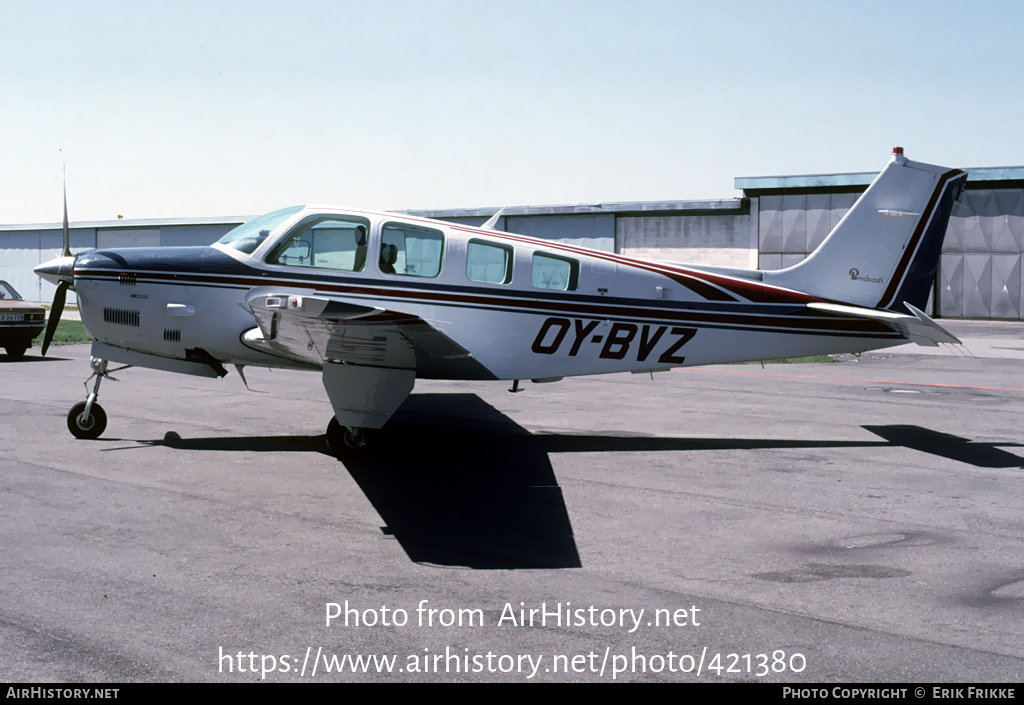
(809, 359)
(67, 333)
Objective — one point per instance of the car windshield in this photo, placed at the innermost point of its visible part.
(7, 292)
(248, 236)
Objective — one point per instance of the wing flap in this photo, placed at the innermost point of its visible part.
(312, 330)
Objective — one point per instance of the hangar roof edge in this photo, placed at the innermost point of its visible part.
(483, 212)
(742, 183)
(581, 208)
(863, 178)
(133, 223)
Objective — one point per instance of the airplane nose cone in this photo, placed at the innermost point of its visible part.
(57, 270)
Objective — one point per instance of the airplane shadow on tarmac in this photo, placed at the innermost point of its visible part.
(459, 483)
(946, 445)
(456, 482)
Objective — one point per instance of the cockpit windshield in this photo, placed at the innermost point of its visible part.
(248, 236)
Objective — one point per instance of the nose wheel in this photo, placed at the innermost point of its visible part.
(87, 419)
(89, 425)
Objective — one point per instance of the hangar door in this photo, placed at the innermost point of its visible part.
(980, 269)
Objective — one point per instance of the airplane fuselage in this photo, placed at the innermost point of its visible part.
(595, 312)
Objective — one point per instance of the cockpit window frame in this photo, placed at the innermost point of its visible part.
(309, 223)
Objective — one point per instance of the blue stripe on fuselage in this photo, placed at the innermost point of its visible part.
(245, 278)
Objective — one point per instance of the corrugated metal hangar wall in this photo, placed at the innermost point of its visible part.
(718, 233)
(776, 224)
(980, 271)
(24, 247)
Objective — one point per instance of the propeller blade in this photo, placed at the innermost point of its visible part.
(55, 311)
(67, 231)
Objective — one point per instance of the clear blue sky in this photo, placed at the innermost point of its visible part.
(180, 109)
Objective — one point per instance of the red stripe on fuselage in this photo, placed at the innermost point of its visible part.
(714, 287)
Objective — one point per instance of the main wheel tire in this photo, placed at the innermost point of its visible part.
(87, 428)
(341, 439)
(335, 441)
(16, 352)
(355, 438)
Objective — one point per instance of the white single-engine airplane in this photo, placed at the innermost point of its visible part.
(375, 300)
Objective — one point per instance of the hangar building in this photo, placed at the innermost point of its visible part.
(775, 224)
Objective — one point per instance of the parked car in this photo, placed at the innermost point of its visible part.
(20, 322)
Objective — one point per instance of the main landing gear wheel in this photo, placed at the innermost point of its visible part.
(341, 438)
(87, 427)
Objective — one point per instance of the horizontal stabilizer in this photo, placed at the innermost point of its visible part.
(918, 328)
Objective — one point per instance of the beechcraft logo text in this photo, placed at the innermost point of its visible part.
(855, 275)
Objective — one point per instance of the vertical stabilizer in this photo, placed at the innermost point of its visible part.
(885, 250)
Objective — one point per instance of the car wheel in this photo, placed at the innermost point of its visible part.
(16, 352)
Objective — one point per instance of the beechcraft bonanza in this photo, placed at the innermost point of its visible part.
(373, 301)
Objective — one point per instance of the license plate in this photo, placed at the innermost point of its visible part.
(12, 316)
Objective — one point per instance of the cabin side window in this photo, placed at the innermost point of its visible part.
(558, 273)
(488, 262)
(410, 250)
(325, 243)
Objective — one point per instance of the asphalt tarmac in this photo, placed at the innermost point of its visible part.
(859, 521)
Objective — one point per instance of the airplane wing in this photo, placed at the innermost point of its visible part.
(311, 329)
(918, 328)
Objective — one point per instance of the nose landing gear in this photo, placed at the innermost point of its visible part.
(87, 419)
